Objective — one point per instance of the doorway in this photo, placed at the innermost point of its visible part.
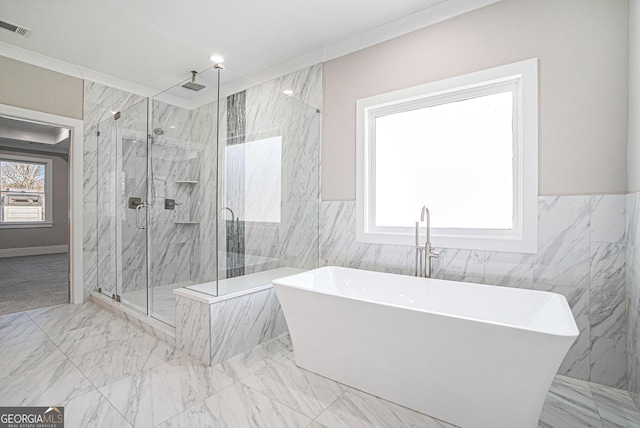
(47, 148)
(34, 215)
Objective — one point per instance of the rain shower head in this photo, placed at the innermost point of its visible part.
(158, 131)
(193, 85)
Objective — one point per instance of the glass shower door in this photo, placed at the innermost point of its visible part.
(132, 206)
(106, 208)
(122, 207)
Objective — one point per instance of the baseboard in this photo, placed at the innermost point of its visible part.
(34, 251)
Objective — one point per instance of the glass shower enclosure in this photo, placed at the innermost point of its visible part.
(122, 216)
(202, 190)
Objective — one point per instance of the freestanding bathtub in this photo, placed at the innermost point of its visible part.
(469, 354)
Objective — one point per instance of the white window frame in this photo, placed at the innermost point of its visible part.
(48, 192)
(523, 78)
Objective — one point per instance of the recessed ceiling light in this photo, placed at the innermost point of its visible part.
(217, 59)
(287, 92)
(172, 127)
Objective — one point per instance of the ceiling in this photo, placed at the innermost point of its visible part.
(147, 46)
(22, 134)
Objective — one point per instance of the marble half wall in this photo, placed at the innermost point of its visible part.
(581, 254)
(213, 332)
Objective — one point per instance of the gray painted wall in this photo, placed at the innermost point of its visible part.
(583, 53)
(44, 236)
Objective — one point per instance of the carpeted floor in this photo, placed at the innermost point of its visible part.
(32, 282)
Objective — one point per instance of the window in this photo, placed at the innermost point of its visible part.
(257, 164)
(466, 148)
(25, 191)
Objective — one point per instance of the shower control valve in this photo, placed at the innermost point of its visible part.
(170, 204)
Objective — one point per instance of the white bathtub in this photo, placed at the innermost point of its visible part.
(469, 354)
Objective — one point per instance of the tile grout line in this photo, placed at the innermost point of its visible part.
(141, 371)
(280, 402)
(330, 404)
(595, 403)
(279, 359)
(88, 380)
(277, 401)
(198, 403)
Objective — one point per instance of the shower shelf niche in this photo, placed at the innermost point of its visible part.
(187, 181)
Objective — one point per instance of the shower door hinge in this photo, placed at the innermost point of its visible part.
(117, 297)
(98, 133)
(99, 290)
(116, 116)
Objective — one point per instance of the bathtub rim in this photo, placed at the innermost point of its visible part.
(575, 333)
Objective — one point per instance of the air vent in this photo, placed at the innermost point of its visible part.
(15, 28)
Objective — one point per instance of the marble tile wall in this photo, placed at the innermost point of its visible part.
(182, 242)
(214, 332)
(581, 254)
(175, 164)
(293, 240)
(203, 133)
(633, 295)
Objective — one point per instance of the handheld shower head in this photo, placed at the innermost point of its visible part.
(193, 85)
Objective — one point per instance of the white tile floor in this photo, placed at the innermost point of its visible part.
(107, 373)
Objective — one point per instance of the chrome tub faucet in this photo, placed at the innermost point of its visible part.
(424, 253)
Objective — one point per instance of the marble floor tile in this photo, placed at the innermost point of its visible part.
(14, 318)
(107, 365)
(47, 385)
(355, 409)
(27, 355)
(301, 390)
(87, 339)
(92, 410)
(18, 328)
(615, 406)
(242, 365)
(238, 406)
(144, 382)
(276, 348)
(159, 393)
(569, 404)
(61, 318)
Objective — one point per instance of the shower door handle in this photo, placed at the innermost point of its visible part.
(146, 216)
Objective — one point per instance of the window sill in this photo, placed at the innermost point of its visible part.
(25, 225)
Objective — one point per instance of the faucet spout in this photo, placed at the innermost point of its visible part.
(424, 211)
(230, 210)
(425, 253)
